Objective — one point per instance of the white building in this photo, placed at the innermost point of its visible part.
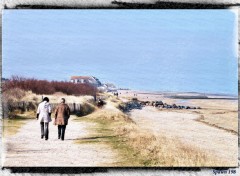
(86, 80)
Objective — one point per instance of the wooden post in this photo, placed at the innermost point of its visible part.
(95, 97)
(27, 106)
(74, 107)
(23, 106)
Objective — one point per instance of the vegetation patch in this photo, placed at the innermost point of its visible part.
(137, 147)
(12, 126)
(86, 108)
(48, 87)
(227, 123)
(104, 132)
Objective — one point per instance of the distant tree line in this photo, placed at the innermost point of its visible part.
(48, 87)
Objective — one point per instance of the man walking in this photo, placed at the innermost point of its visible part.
(62, 114)
(44, 117)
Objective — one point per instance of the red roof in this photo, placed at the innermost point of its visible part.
(81, 77)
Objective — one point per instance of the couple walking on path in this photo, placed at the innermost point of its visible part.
(62, 114)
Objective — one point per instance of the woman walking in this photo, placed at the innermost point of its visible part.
(62, 114)
(44, 117)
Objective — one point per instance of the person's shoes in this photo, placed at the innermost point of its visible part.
(58, 137)
(62, 139)
(42, 136)
(46, 139)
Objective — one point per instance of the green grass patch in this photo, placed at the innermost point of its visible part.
(103, 132)
(12, 126)
(86, 108)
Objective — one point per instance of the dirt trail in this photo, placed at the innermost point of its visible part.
(184, 127)
(26, 148)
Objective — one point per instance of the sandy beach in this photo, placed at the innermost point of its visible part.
(213, 128)
(184, 127)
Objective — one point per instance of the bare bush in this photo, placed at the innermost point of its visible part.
(48, 87)
(9, 97)
(14, 94)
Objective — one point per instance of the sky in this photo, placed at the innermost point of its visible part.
(169, 50)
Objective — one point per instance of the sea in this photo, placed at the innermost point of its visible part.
(209, 76)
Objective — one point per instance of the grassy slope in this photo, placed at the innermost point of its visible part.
(139, 148)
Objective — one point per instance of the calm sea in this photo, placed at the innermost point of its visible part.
(204, 76)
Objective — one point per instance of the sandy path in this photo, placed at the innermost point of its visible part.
(26, 148)
(183, 126)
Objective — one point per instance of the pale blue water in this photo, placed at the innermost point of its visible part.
(156, 50)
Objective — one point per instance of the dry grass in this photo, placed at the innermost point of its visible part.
(114, 116)
(18, 95)
(219, 113)
(13, 95)
(223, 120)
(163, 151)
(86, 108)
(12, 126)
(109, 111)
(141, 148)
(56, 98)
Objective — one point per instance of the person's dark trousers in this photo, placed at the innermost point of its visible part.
(61, 131)
(44, 130)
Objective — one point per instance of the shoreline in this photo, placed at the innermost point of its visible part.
(178, 95)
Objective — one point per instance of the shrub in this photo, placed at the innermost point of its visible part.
(48, 87)
(14, 94)
(10, 96)
(85, 109)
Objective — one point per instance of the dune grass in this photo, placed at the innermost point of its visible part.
(221, 114)
(12, 126)
(56, 98)
(226, 120)
(141, 148)
(104, 133)
(164, 151)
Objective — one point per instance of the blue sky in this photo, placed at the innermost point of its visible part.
(176, 50)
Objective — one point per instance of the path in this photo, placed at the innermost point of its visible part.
(26, 148)
(184, 127)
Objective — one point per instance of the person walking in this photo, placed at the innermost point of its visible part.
(62, 114)
(44, 117)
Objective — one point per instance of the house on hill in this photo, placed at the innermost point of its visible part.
(86, 80)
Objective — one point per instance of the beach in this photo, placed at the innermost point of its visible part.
(213, 127)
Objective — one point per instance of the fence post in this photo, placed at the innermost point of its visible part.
(27, 106)
(95, 97)
(23, 103)
(74, 107)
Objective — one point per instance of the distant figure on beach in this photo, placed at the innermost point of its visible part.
(115, 94)
(44, 116)
(62, 114)
(100, 103)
